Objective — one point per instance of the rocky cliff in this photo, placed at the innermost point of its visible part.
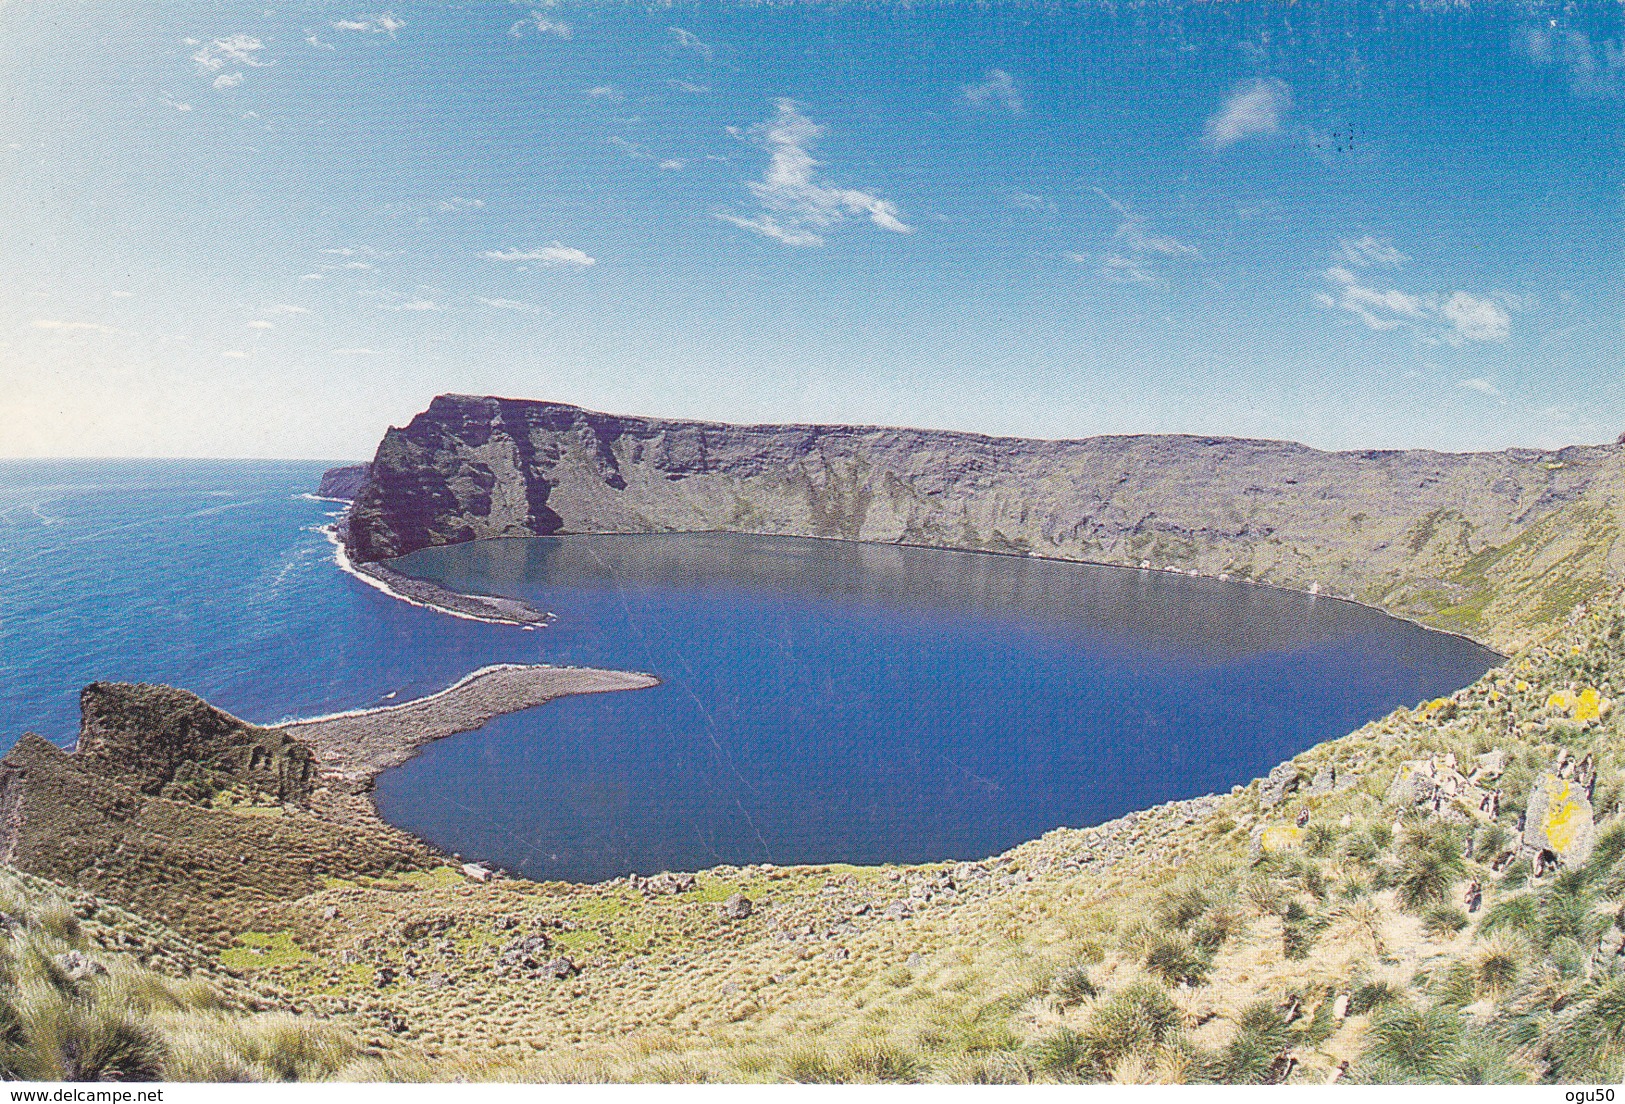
(1498, 545)
(343, 482)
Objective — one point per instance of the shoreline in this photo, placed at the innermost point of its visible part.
(485, 608)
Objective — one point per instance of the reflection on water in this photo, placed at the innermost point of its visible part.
(828, 701)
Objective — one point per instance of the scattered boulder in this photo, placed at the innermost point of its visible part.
(78, 965)
(477, 872)
(1491, 765)
(1280, 782)
(898, 910)
(737, 907)
(528, 953)
(559, 969)
(1325, 781)
(664, 884)
(1437, 784)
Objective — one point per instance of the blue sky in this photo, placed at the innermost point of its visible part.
(275, 230)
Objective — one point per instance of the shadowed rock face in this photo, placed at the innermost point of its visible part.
(1512, 539)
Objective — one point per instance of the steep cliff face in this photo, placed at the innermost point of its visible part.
(342, 482)
(1494, 544)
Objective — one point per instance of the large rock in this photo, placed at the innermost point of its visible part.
(1559, 819)
(1280, 782)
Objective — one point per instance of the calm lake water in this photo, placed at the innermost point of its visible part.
(820, 701)
(867, 703)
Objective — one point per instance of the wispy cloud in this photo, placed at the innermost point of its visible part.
(1595, 70)
(511, 305)
(797, 206)
(1368, 251)
(61, 326)
(385, 23)
(1476, 319)
(1254, 108)
(997, 89)
(551, 255)
(690, 87)
(691, 43)
(286, 309)
(1481, 385)
(606, 92)
(1134, 250)
(415, 305)
(238, 49)
(458, 203)
(1455, 319)
(1027, 201)
(538, 24)
(261, 324)
(236, 52)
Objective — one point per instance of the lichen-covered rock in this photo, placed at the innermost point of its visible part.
(1559, 819)
(1267, 838)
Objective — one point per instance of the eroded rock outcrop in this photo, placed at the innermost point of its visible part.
(1465, 540)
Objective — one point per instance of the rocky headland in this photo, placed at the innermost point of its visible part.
(1498, 546)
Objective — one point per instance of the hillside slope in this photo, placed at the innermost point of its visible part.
(1495, 545)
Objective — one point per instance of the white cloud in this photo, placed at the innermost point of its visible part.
(539, 24)
(1133, 247)
(235, 354)
(1476, 319)
(998, 88)
(512, 305)
(690, 87)
(228, 80)
(57, 324)
(1255, 107)
(458, 203)
(360, 352)
(1593, 70)
(1367, 251)
(797, 205)
(555, 254)
(310, 37)
(606, 92)
(1027, 201)
(1454, 319)
(1482, 386)
(415, 305)
(287, 308)
(686, 41)
(386, 23)
(261, 324)
(769, 227)
(238, 49)
(672, 164)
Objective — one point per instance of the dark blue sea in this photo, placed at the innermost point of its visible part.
(820, 701)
